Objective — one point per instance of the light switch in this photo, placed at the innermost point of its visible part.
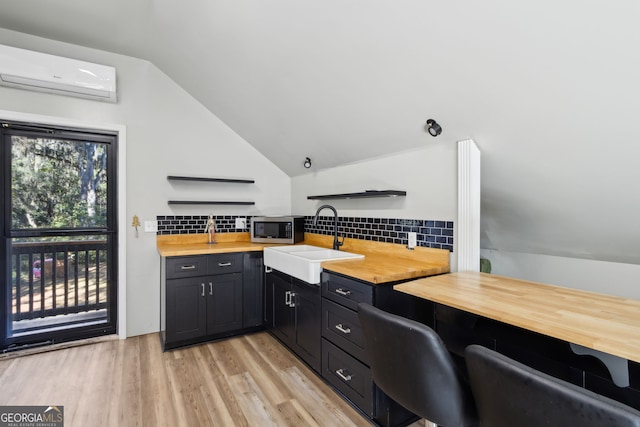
(151, 226)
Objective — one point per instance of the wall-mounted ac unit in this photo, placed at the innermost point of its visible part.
(31, 70)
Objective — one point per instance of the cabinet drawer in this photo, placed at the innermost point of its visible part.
(186, 266)
(349, 376)
(345, 291)
(225, 263)
(341, 326)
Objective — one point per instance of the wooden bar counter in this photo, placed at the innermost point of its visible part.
(601, 322)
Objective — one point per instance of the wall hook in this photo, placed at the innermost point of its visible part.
(136, 223)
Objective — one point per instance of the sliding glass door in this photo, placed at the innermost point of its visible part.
(59, 258)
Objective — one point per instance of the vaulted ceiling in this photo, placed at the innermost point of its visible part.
(548, 90)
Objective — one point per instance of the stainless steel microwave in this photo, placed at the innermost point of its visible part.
(277, 229)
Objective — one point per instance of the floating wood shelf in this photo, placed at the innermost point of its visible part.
(195, 178)
(208, 202)
(361, 195)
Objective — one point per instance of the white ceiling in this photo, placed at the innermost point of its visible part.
(548, 90)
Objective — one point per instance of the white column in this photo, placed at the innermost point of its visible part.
(468, 227)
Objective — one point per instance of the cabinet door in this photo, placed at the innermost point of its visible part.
(306, 298)
(224, 303)
(186, 309)
(252, 284)
(282, 308)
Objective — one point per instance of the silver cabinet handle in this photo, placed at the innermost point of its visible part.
(210, 288)
(202, 289)
(345, 292)
(292, 301)
(344, 330)
(287, 298)
(343, 375)
(224, 264)
(188, 267)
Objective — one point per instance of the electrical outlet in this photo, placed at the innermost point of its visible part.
(151, 226)
(241, 223)
(413, 240)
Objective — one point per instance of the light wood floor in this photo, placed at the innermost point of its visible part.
(250, 380)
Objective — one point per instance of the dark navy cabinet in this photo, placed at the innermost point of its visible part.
(344, 360)
(224, 303)
(292, 309)
(205, 297)
(186, 310)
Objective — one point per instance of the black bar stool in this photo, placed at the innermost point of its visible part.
(410, 363)
(508, 394)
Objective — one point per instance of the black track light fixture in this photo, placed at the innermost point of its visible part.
(433, 128)
(307, 163)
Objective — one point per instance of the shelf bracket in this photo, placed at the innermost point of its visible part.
(617, 366)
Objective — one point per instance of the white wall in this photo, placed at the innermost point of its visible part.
(596, 276)
(168, 132)
(428, 175)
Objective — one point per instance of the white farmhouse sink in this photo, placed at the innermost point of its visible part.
(303, 261)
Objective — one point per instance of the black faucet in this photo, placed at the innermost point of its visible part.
(336, 244)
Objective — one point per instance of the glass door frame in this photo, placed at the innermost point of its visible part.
(110, 138)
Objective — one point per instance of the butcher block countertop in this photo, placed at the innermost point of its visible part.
(197, 244)
(601, 322)
(383, 262)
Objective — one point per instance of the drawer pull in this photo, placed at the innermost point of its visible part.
(224, 264)
(342, 329)
(344, 292)
(188, 267)
(343, 375)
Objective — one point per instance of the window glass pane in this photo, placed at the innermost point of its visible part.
(57, 183)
